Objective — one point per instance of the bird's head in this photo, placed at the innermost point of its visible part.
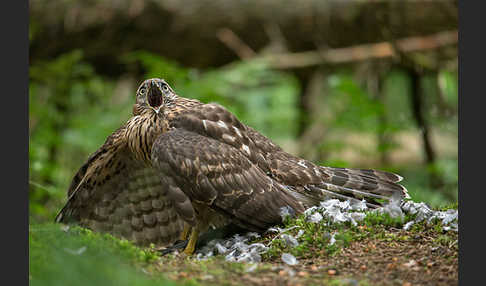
(153, 95)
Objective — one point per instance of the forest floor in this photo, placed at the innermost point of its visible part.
(425, 259)
(374, 256)
(376, 251)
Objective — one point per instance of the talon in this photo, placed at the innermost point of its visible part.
(191, 244)
(180, 244)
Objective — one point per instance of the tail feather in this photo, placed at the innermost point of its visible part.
(375, 187)
(329, 194)
(354, 192)
(385, 176)
(367, 173)
(365, 183)
(374, 181)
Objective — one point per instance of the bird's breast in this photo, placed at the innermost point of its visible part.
(141, 133)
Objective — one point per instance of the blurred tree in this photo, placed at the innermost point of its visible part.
(332, 80)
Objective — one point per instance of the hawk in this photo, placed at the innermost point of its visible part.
(179, 166)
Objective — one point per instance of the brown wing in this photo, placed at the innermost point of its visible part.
(206, 171)
(311, 183)
(114, 193)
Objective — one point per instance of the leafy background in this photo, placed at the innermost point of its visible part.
(73, 109)
(87, 59)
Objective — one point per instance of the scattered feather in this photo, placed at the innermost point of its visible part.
(289, 259)
(239, 249)
(408, 225)
(290, 240)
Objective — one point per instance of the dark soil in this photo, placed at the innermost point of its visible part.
(403, 257)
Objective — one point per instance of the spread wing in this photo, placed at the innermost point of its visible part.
(309, 182)
(220, 176)
(112, 192)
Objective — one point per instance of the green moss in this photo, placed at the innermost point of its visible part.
(315, 241)
(384, 219)
(316, 237)
(453, 206)
(81, 257)
(447, 240)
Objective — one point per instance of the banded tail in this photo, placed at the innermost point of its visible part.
(375, 187)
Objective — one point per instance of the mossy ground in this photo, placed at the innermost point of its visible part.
(375, 252)
(75, 256)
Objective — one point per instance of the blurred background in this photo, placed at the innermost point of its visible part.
(355, 83)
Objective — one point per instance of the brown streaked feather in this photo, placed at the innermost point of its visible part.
(113, 192)
(369, 173)
(250, 198)
(88, 176)
(354, 179)
(194, 162)
(214, 121)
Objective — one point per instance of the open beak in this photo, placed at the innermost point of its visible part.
(155, 97)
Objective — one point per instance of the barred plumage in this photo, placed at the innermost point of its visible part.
(178, 161)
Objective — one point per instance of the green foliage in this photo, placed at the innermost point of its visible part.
(73, 109)
(418, 182)
(78, 256)
(396, 100)
(71, 112)
(158, 67)
(448, 82)
(373, 219)
(353, 107)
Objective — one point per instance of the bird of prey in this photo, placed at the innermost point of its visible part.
(179, 166)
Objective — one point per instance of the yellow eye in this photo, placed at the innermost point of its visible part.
(165, 87)
(142, 91)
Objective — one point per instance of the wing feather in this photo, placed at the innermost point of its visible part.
(222, 177)
(112, 192)
(214, 121)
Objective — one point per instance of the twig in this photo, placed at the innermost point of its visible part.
(232, 41)
(361, 52)
(48, 189)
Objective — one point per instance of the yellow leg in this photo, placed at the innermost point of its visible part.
(185, 231)
(191, 244)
